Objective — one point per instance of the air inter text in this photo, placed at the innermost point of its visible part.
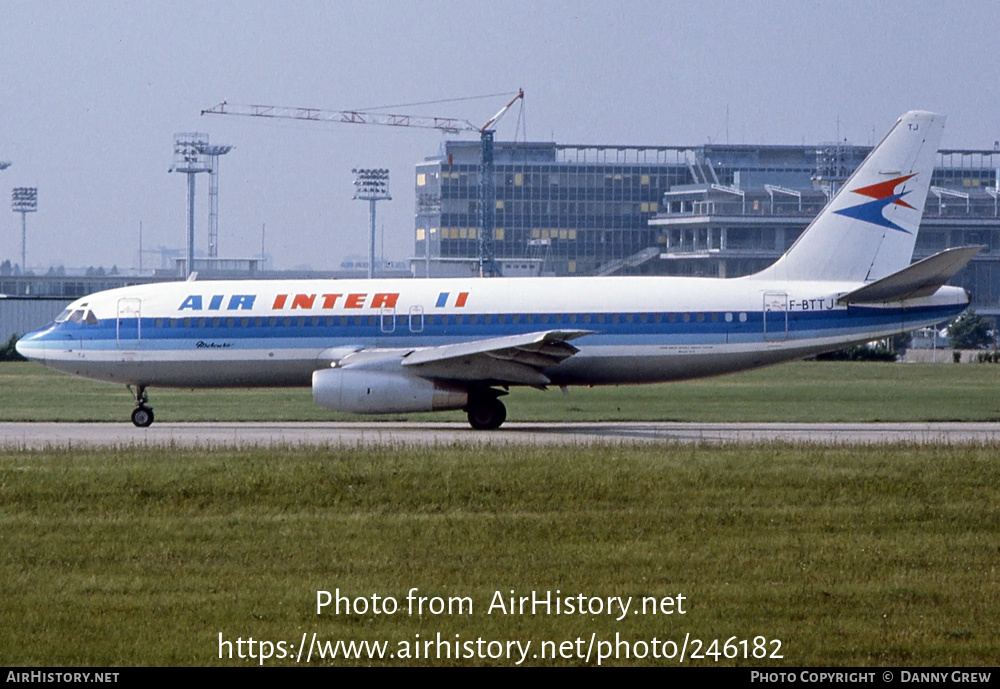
(308, 302)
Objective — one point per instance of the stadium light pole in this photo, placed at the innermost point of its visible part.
(213, 152)
(189, 159)
(24, 200)
(372, 185)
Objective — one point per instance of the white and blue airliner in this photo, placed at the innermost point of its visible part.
(380, 346)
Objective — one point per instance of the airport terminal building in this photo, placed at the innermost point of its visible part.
(712, 210)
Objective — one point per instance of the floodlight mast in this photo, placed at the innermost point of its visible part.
(189, 159)
(371, 184)
(24, 200)
(486, 214)
(213, 152)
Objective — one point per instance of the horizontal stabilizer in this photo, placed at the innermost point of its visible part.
(921, 279)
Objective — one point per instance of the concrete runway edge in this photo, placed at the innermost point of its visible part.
(88, 435)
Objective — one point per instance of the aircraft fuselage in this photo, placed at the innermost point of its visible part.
(640, 330)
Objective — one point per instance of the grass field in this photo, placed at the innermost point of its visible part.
(874, 555)
(848, 556)
(798, 392)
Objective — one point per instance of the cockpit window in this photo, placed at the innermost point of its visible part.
(78, 316)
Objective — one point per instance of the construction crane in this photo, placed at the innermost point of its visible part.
(486, 216)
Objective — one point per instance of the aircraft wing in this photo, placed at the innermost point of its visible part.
(515, 359)
(920, 279)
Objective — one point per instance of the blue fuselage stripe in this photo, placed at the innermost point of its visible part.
(245, 332)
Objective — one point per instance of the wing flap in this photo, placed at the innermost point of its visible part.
(514, 359)
(920, 279)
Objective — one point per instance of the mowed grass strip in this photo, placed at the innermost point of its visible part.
(797, 392)
(882, 555)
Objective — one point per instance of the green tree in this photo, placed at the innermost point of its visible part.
(7, 351)
(970, 331)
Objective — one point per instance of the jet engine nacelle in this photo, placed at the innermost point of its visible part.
(378, 392)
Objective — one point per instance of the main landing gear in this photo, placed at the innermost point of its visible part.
(142, 415)
(485, 412)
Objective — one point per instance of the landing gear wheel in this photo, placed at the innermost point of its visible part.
(142, 416)
(486, 414)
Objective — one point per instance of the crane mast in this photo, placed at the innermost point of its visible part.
(486, 212)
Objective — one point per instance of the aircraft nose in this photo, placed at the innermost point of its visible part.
(30, 347)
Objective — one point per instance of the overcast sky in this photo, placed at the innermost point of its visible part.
(92, 93)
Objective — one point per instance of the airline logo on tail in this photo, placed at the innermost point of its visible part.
(883, 193)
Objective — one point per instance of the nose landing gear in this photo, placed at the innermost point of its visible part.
(142, 415)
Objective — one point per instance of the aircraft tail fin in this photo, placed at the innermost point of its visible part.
(869, 228)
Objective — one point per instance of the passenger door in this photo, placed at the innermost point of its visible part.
(775, 316)
(129, 324)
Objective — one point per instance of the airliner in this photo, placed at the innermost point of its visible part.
(388, 346)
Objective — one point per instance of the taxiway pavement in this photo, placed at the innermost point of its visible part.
(62, 435)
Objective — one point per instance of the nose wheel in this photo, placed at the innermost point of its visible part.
(142, 415)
